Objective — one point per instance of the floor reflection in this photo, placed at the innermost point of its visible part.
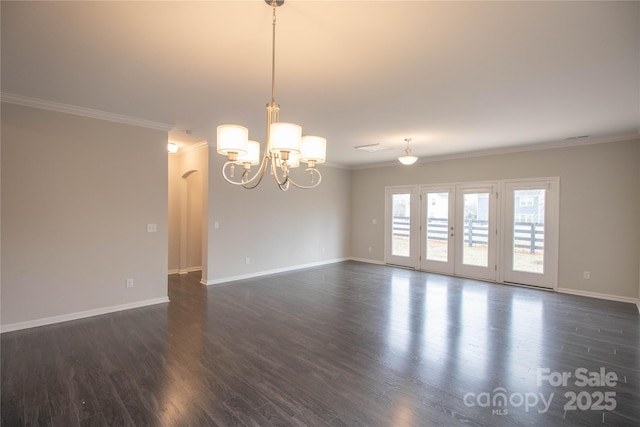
(187, 332)
(473, 348)
(526, 336)
(435, 339)
(399, 313)
(440, 333)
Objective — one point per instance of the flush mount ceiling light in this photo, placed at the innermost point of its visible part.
(407, 159)
(172, 147)
(285, 147)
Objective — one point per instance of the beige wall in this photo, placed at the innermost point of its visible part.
(188, 171)
(174, 163)
(77, 195)
(599, 190)
(275, 229)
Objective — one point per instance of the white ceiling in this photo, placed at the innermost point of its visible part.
(453, 76)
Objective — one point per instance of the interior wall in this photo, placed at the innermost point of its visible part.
(188, 171)
(77, 195)
(174, 217)
(599, 192)
(275, 229)
(193, 256)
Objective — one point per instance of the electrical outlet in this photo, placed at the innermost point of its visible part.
(247, 260)
(587, 275)
(370, 249)
(129, 283)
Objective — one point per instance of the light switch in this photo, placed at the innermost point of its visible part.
(152, 228)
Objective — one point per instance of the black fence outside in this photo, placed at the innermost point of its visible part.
(527, 235)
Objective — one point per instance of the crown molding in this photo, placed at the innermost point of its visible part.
(82, 111)
(506, 150)
(188, 148)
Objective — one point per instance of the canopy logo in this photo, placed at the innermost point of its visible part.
(594, 398)
(500, 401)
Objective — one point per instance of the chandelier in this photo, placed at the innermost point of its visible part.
(285, 147)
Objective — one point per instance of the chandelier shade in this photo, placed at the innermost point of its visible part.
(232, 140)
(284, 147)
(252, 156)
(285, 137)
(313, 149)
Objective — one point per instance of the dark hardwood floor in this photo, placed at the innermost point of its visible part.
(348, 344)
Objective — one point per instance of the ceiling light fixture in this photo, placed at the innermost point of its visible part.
(407, 159)
(285, 147)
(172, 147)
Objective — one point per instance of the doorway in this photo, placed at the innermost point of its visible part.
(457, 230)
(467, 230)
(187, 175)
(191, 222)
(530, 223)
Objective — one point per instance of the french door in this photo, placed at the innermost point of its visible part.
(401, 226)
(458, 230)
(467, 230)
(437, 229)
(530, 240)
(476, 230)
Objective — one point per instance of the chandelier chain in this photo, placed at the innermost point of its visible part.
(273, 54)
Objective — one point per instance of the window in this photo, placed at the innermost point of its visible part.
(524, 217)
(526, 200)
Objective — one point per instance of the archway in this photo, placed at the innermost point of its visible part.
(190, 222)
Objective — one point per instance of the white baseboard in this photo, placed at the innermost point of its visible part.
(599, 295)
(80, 315)
(267, 272)
(185, 270)
(368, 261)
(189, 270)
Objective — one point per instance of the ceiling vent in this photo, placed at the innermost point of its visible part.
(372, 148)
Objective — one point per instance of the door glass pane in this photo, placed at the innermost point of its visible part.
(528, 230)
(437, 226)
(400, 213)
(476, 225)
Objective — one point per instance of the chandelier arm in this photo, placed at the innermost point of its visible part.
(285, 186)
(224, 173)
(257, 176)
(308, 187)
(260, 174)
(276, 176)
